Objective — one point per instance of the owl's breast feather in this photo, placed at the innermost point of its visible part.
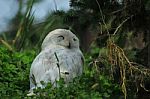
(69, 62)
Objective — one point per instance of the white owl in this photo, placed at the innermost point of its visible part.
(60, 57)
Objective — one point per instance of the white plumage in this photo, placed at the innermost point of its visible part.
(60, 57)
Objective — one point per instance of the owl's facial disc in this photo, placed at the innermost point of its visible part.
(61, 37)
(67, 44)
(63, 41)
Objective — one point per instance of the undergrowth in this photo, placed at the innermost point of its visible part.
(14, 72)
(108, 73)
(14, 80)
(129, 72)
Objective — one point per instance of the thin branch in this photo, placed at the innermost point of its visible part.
(122, 24)
(58, 64)
(102, 15)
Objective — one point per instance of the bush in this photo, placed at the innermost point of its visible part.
(14, 80)
(88, 86)
(14, 72)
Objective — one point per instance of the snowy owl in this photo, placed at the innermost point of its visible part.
(60, 57)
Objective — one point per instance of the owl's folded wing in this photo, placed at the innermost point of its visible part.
(44, 67)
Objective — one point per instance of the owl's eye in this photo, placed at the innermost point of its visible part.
(74, 39)
(60, 38)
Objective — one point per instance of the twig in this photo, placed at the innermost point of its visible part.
(58, 64)
(7, 45)
(122, 24)
(102, 15)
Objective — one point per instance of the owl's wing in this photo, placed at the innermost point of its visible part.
(44, 64)
(80, 63)
(82, 58)
(74, 62)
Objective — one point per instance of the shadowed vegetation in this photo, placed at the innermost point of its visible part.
(114, 37)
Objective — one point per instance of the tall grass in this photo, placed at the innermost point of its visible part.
(30, 33)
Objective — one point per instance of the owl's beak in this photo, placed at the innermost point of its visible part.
(69, 45)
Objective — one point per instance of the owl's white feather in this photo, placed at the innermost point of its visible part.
(60, 57)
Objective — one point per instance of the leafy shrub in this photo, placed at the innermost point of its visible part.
(14, 80)
(91, 85)
(14, 72)
(88, 86)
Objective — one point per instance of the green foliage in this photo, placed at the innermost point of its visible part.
(23, 34)
(14, 80)
(96, 83)
(14, 68)
(89, 86)
(28, 32)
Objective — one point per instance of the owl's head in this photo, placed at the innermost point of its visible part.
(61, 37)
